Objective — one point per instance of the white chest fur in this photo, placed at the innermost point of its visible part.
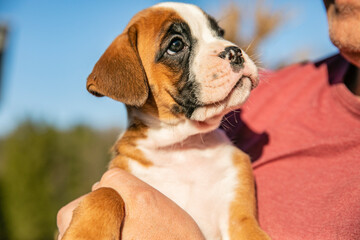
(198, 175)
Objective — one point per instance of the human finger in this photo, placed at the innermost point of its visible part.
(64, 216)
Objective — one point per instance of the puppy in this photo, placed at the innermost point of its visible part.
(178, 77)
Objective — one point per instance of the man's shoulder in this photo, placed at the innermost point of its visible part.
(299, 75)
(293, 71)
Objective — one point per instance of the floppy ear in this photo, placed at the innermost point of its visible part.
(119, 73)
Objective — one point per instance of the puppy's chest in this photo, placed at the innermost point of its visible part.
(201, 178)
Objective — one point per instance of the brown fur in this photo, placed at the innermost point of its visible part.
(161, 78)
(120, 74)
(243, 223)
(90, 216)
(126, 70)
(126, 149)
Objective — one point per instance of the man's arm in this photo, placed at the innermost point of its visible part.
(149, 214)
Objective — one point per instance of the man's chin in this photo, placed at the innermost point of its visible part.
(351, 56)
(342, 32)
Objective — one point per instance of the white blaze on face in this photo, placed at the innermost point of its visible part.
(194, 17)
(220, 88)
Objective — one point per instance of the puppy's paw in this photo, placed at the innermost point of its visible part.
(248, 229)
(257, 234)
(99, 216)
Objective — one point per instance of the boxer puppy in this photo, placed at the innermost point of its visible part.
(178, 77)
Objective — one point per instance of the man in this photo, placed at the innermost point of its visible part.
(302, 129)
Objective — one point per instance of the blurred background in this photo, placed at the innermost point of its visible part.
(54, 136)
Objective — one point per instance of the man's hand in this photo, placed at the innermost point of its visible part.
(149, 214)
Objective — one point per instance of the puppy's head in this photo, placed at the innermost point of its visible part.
(172, 62)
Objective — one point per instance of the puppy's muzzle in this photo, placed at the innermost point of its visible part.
(234, 55)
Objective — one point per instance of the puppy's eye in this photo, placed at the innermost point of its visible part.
(221, 32)
(175, 46)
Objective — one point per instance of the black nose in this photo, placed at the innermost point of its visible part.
(233, 54)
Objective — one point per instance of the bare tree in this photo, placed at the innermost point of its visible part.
(265, 20)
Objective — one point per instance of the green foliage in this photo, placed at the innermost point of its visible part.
(43, 168)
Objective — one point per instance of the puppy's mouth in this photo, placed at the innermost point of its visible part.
(239, 84)
(213, 112)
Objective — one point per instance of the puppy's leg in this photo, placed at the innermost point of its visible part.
(99, 216)
(243, 222)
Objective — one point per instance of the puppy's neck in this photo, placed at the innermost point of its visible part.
(164, 133)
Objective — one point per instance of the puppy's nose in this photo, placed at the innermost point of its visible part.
(233, 54)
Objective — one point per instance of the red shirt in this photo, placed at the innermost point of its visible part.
(301, 127)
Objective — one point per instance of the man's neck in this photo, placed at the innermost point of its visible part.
(352, 80)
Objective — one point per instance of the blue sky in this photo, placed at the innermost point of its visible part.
(53, 46)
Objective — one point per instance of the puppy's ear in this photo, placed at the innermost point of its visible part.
(119, 73)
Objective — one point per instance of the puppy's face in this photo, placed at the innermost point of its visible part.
(173, 62)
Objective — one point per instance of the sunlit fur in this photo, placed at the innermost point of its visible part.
(179, 152)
